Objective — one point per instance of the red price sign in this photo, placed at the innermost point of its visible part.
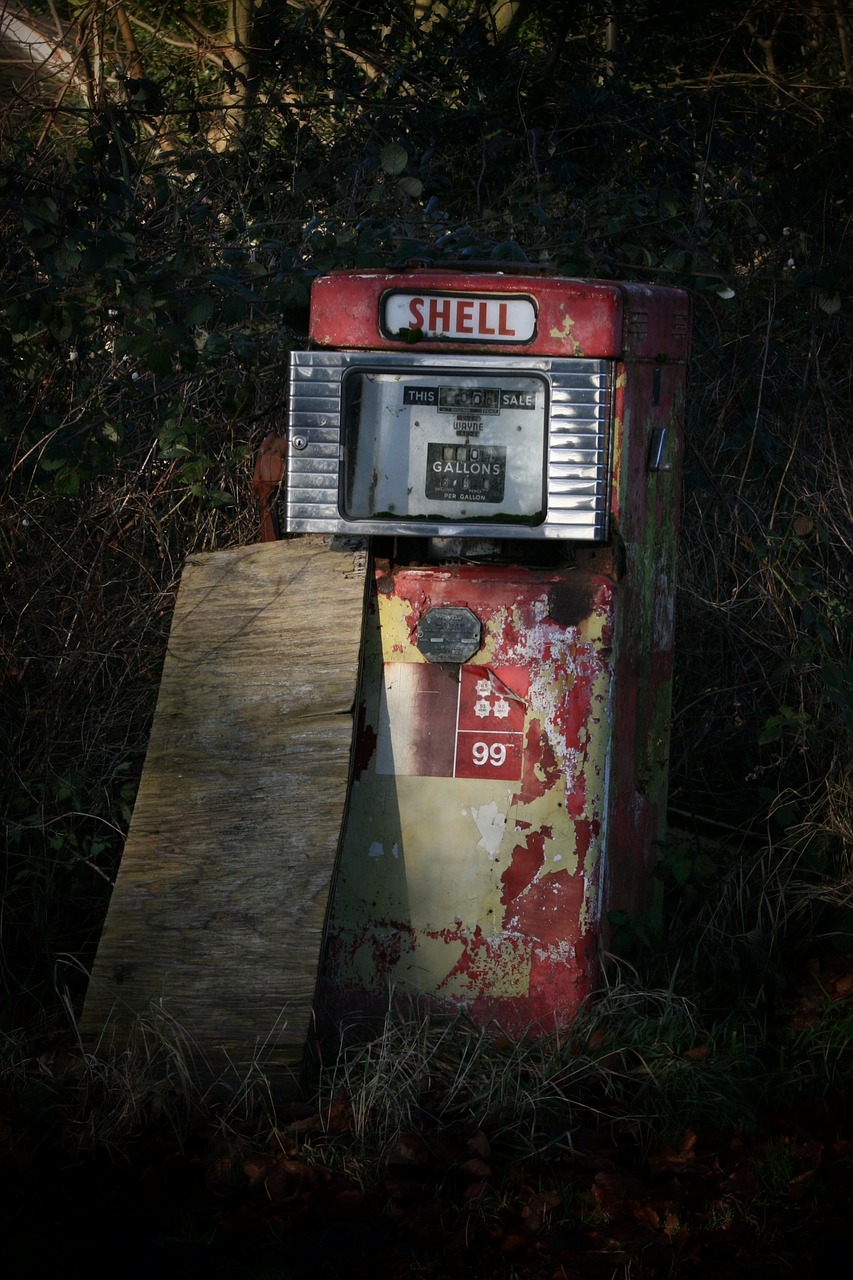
(443, 721)
(490, 723)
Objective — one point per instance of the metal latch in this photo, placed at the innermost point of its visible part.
(657, 449)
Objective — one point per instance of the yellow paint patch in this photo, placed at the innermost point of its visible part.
(563, 332)
(549, 810)
(508, 973)
(396, 646)
(427, 968)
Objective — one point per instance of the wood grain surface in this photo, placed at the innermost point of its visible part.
(217, 915)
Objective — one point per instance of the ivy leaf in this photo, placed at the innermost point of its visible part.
(199, 309)
(393, 158)
(158, 357)
(510, 251)
(215, 349)
(67, 483)
(59, 324)
(829, 302)
(219, 498)
(411, 186)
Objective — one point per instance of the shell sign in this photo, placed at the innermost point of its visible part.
(460, 317)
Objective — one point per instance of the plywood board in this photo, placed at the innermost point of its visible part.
(218, 910)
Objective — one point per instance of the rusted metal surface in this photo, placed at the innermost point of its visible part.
(267, 478)
(501, 807)
(645, 517)
(473, 856)
(442, 310)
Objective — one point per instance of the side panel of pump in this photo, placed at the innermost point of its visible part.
(648, 444)
(471, 860)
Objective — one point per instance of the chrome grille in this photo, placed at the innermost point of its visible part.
(579, 444)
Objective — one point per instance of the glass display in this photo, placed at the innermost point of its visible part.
(459, 446)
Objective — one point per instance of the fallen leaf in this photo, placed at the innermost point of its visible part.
(645, 1215)
(335, 1119)
(742, 1182)
(480, 1144)
(256, 1167)
(608, 1189)
(514, 1243)
(841, 987)
(411, 1149)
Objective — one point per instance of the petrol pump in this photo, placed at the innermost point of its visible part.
(510, 445)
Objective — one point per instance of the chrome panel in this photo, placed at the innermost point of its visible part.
(578, 450)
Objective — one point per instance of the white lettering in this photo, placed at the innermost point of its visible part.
(475, 318)
(468, 468)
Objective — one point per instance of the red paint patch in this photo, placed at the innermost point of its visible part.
(364, 745)
(480, 958)
(538, 754)
(559, 987)
(585, 832)
(490, 703)
(575, 712)
(525, 861)
(387, 952)
(576, 799)
(515, 680)
(550, 911)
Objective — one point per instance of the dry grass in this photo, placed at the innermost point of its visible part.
(636, 1059)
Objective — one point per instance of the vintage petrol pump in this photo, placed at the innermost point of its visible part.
(510, 443)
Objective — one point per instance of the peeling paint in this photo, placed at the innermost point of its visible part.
(491, 824)
(525, 862)
(563, 333)
(509, 845)
(481, 914)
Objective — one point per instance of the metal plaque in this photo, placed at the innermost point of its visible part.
(449, 634)
(465, 472)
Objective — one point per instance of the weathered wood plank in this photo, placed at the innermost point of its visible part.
(219, 905)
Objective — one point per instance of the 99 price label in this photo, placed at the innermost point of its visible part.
(488, 755)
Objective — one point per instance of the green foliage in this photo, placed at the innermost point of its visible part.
(62, 832)
(111, 314)
(155, 268)
(63, 836)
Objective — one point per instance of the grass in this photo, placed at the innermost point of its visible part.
(707, 1047)
(637, 1059)
(650, 1119)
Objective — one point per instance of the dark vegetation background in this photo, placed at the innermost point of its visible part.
(169, 187)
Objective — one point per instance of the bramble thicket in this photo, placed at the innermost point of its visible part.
(173, 179)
